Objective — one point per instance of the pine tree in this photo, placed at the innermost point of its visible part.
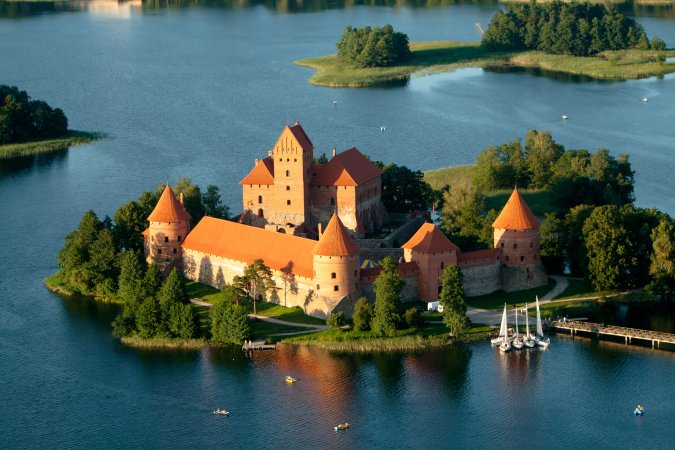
(453, 300)
(256, 280)
(148, 318)
(172, 292)
(388, 288)
(229, 323)
(662, 264)
(152, 281)
(363, 314)
(131, 279)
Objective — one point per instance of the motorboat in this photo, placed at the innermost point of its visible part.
(503, 331)
(290, 380)
(564, 117)
(639, 410)
(528, 340)
(342, 426)
(221, 412)
(517, 343)
(539, 338)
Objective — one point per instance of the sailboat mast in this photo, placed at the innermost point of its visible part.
(516, 321)
(527, 322)
(540, 330)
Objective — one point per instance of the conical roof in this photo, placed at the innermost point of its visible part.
(429, 239)
(516, 215)
(335, 240)
(169, 209)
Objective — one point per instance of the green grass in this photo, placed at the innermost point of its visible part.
(164, 343)
(497, 299)
(438, 178)
(539, 201)
(261, 329)
(73, 138)
(447, 56)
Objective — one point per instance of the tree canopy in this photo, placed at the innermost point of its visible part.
(229, 323)
(453, 300)
(373, 47)
(388, 288)
(23, 119)
(404, 190)
(566, 28)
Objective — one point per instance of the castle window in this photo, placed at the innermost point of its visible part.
(531, 244)
(288, 202)
(159, 251)
(522, 258)
(288, 159)
(318, 287)
(178, 238)
(166, 238)
(260, 213)
(288, 173)
(175, 250)
(332, 201)
(335, 288)
(260, 199)
(502, 245)
(515, 245)
(288, 188)
(295, 160)
(506, 258)
(356, 273)
(442, 266)
(333, 275)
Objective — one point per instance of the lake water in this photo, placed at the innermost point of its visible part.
(202, 90)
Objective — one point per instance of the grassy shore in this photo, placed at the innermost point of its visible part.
(164, 343)
(405, 340)
(73, 138)
(447, 56)
(54, 284)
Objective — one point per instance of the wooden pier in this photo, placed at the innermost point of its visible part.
(599, 330)
(259, 345)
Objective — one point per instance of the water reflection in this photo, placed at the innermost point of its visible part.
(20, 163)
(558, 76)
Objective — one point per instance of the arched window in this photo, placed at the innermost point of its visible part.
(288, 173)
(259, 199)
(260, 213)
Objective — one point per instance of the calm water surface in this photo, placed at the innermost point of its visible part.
(201, 91)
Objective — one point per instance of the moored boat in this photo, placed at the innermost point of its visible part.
(528, 341)
(517, 343)
(342, 426)
(503, 331)
(540, 339)
(221, 412)
(290, 380)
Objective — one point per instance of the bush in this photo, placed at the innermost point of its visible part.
(336, 320)
(411, 318)
(363, 314)
(373, 47)
(658, 44)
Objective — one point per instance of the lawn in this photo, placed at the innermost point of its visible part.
(261, 329)
(439, 178)
(497, 299)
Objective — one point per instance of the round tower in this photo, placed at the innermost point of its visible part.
(516, 233)
(336, 261)
(169, 225)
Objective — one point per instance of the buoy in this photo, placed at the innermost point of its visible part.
(564, 117)
(645, 99)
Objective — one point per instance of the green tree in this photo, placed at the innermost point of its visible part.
(288, 277)
(132, 272)
(229, 323)
(152, 281)
(172, 292)
(130, 221)
(336, 320)
(256, 280)
(542, 154)
(74, 257)
(182, 320)
(363, 314)
(453, 300)
(233, 293)
(662, 260)
(462, 217)
(192, 198)
(213, 206)
(373, 47)
(610, 250)
(148, 318)
(388, 288)
(411, 317)
(552, 251)
(404, 190)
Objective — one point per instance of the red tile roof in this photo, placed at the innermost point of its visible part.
(335, 240)
(168, 209)
(429, 239)
(349, 168)
(476, 254)
(301, 136)
(516, 215)
(245, 243)
(262, 173)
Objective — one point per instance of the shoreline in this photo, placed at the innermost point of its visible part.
(73, 138)
(431, 57)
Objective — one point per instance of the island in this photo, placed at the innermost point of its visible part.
(343, 253)
(596, 41)
(29, 126)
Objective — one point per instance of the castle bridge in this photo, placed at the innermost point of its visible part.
(610, 331)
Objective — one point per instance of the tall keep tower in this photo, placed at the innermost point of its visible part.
(432, 252)
(293, 158)
(336, 261)
(516, 234)
(169, 225)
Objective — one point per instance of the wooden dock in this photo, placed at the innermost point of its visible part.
(259, 345)
(600, 330)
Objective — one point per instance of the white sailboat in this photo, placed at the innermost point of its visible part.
(503, 331)
(517, 343)
(528, 341)
(540, 339)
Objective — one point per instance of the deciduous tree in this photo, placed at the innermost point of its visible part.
(388, 288)
(453, 300)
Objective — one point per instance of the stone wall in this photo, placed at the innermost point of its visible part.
(519, 278)
(481, 280)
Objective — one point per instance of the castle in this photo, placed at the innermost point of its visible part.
(288, 195)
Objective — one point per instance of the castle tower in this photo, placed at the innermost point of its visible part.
(433, 252)
(516, 232)
(336, 261)
(169, 225)
(516, 235)
(293, 158)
